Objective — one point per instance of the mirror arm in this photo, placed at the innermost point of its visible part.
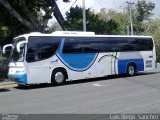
(19, 45)
(4, 47)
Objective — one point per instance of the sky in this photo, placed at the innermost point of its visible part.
(96, 5)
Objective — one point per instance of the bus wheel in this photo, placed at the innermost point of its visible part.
(131, 70)
(58, 77)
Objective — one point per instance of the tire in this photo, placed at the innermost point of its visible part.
(131, 70)
(58, 77)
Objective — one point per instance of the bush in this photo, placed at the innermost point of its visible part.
(158, 53)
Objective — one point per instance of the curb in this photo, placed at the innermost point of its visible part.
(8, 84)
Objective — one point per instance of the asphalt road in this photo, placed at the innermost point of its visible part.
(138, 94)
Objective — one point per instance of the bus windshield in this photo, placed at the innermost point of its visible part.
(15, 55)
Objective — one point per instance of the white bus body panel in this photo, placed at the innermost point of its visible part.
(102, 64)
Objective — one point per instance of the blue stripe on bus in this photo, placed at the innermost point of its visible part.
(76, 62)
(122, 65)
(20, 78)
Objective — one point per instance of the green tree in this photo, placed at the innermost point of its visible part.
(21, 16)
(74, 21)
(153, 29)
(9, 26)
(142, 14)
(118, 17)
(27, 12)
(144, 10)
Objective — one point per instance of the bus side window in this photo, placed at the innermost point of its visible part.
(32, 55)
(73, 45)
(47, 51)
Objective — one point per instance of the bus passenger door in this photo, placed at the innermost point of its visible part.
(40, 51)
(105, 65)
(39, 72)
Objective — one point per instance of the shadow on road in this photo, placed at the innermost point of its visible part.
(147, 73)
(4, 90)
(28, 87)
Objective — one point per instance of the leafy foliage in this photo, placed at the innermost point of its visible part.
(21, 16)
(153, 29)
(144, 10)
(9, 26)
(118, 17)
(142, 14)
(74, 21)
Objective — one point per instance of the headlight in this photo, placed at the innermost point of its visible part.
(20, 71)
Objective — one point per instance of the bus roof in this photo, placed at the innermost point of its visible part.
(78, 34)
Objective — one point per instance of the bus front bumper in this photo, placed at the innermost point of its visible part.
(19, 78)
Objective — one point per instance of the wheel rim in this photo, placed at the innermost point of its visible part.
(131, 70)
(59, 77)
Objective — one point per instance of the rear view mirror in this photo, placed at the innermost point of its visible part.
(8, 45)
(19, 45)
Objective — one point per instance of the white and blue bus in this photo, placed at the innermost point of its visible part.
(66, 56)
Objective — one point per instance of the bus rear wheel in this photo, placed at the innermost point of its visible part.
(58, 77)
(131, 70)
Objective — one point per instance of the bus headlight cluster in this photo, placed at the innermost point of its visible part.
(20, 71)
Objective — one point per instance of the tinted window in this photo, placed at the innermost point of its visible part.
(72, 45)
(90, 45)
(123, 44)
(126, 44)
(111, 44)
(106, 44)
(101, 44)
(136, 44)
(41, 47)
(144, 44)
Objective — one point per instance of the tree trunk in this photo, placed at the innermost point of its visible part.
(32, 18)
(12, 11)
(57, 14)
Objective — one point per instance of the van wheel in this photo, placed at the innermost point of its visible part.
(131, 70)
(58, 77)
